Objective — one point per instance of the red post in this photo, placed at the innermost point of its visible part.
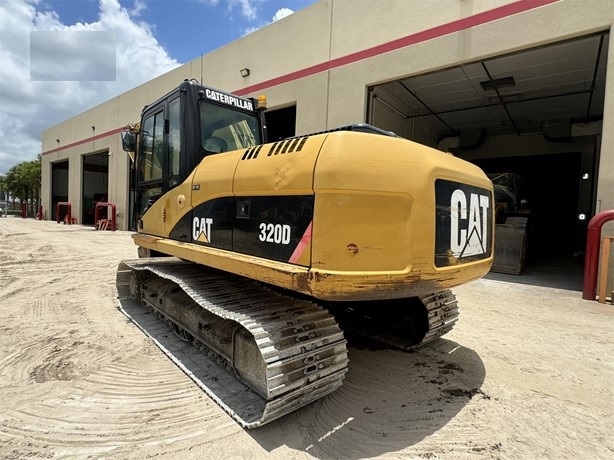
(591, 261)
(113, 213)
(68, 211)
(39, 215)
(24, 210)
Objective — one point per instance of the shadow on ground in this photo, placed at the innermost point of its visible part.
(563, 274)
(389, 400)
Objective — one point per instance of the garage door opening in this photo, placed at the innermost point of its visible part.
(95, 185)
(550, 198)
(59, 186)
(537, 112)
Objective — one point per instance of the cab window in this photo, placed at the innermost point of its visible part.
(224, 129)
(174, 142)
(151, 158)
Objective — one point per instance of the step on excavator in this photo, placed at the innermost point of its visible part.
(257, 260)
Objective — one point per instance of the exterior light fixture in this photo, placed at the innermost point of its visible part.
(244, 72)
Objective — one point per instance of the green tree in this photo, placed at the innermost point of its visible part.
(23, 181)
(3, 189)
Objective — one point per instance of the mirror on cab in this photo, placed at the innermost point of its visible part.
(128, 141)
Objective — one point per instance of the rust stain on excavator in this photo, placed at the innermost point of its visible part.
(301, 281)
(352, 249)
(449, 257)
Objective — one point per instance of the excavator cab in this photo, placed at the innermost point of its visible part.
(178, 130)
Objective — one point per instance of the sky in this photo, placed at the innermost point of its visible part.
(39, 38)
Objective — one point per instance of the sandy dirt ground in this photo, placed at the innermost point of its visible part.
(527, 373)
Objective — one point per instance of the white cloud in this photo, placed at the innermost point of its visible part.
(248, 8)
(282, 13)
(139, 5)
(279, 14)
(28, 107)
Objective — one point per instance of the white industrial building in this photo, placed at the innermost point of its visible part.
(511, 85)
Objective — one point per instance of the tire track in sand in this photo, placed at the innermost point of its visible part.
(137, 403)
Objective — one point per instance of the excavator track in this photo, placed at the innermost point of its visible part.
(407, 324)
(275, 355)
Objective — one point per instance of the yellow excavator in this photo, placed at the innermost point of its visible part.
(257, 260)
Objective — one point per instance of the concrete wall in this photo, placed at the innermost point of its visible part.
(324, 58)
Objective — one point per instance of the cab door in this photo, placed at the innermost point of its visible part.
(158, 166)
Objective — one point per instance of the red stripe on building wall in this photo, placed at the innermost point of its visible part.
(429, 34)
(84, 141)
(455, 26)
